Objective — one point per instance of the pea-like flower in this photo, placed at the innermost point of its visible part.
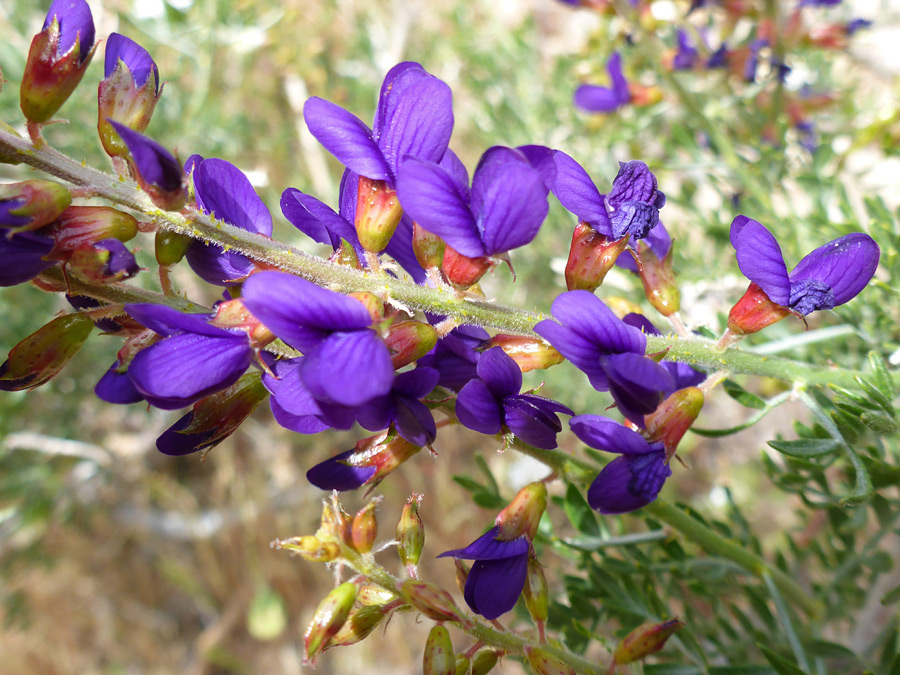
(593, 98)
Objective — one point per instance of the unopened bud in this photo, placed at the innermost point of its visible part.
(80, 226)
(346, 255)
(522, 515)
(335, 522)
(642, 95)
(462, 271)
(463, 664)
(674, 416)
(365, 528)
(104, 262)
(408, 341)
(378, 213)
(432, 601)
(32, 204)
(427, 247)
(544, 663)
(438, 658)
(410, 533)
(330, 616)
(374, 306)
(361, 622)
(645, 640)
(536, 593)
(659, 280)
(233, 314)
(591, 256)
(171, 247)
(529, 353)
(754, 311)
(311, 548)
(375, 595)
(484, 661)
(45, 352)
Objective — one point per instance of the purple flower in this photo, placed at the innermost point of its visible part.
(294, 407)
(608, 351)
(592, 98)
(819, 3)
(76, 24)
(137, 59)
(719, 58)
(856, 25)
(402, 408)
(332, 330)
(193, 360)
(455, 356)
(22, 257)
(686, 56)
(578, 193)
(369, 462)
(682, 374)
(116, 387)
(221, 189)
(829, 276)
(492, 401)
(498, 575)
(659, 242)
(336, 474)
(504, 210)
(631, 481)
(156, 169)
(414, 118)
(753, 60)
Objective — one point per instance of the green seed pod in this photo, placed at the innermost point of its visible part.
(462, 664)
(432, 601)
(438, 658)
(536, 593)
(364, 528)
(330, 616)
(361, 622)
(171, 247)
(410, 532)
(41, 355)
(545, 663)
(484, 661)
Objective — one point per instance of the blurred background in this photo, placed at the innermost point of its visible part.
(116, 559)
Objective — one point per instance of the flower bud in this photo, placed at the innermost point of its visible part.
(410, 533)
(463, 664)
(536, 593)
(365, 527)
(462, 271)
(378, 213)
(544, 663)
(374, 306)
(128, 93)
(659, 280)
(432, 601)
(361, 622)
(408, 341)
(345, 254)
(330, 616)
(154, 168)
(233, 314)
(171, 247)
(374, 595)
(645, 640)
(80, 226)
(368, 463)
(311, 548)
(45, 352)
(674, 416)
(105, 262)
(427, 247)
(591, 256)
(438, 658)
(484, 661)
(335, 522)
(57, 60)
(754, 311)
(529, 353)
(32, 204)
(522, 515)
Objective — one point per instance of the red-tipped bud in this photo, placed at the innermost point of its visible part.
(754, 311)
(659, 280)
(50, 76)
(432, 601)
(484, 661)
(438, 658)
(378, 213)
(522, 515)
(375, 595)
(233, 314)
(536, 592)
(528, 353)
(171, 247)
(311, 548)
(591, 256)
(31, 204)
(124, 100)
(410, 533)
(361, 622)
(385, 451)
(80, 226)
(329, 618)
(674, 416)
(408, 341)
(428, 248)
(43, 354)
(105, 262)
(645, 640)
(462, 271)
(544, 663)
(365, 527)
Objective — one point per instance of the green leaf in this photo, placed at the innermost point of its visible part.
(742, 396)
(891, 596)
(781, 665)
(580, 514)
(875, 394)
(806, 447)
(830, 650)
(880, 423)
(881, 376)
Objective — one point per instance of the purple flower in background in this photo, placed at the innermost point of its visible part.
(414, 118)
(492, 401)
(193, 360)
(829, 276)
(608, 351)
(221, 189)
(498, 574)
(22, 257)
(455, 356)
(856, 25)
(682, 374)
(592, 98)
(504, 210)
(631, 481)
(686, 56)
(332, 330)
(719, 58)
(819, 3)
(752, 62)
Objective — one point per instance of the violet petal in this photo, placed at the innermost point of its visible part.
(76, 23)
(478, 409)
(156, 165)
(135, 57)
(487, 547)
(333, 474)
(609, 492)
(603, 433)
(315, 219)
(759, 258)
(500, 372)
(493, 586)
(346, 137)
(846, 265)
(332, 371)
(577, 193)
(591, 98)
